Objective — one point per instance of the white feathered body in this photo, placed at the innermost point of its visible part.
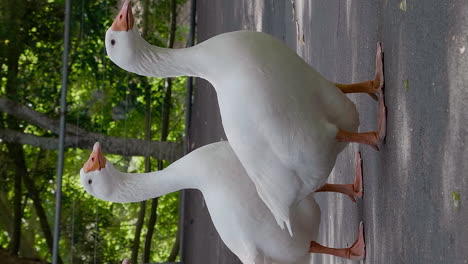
(280, 116)
(242, 220)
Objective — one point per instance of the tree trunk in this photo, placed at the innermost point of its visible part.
(175, 248)
(17, 34)
(6, 218)
(139, 226)
(147, 87)
(165, 111)
(149, 234)
(16, 151)
(12, 53)
(154, 203)
(34, 194)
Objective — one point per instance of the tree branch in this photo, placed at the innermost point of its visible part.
(23, 112)
(169, 151)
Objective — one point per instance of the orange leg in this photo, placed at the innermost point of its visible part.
(362, 87)
(375, 138)
(352, 190)
(355, 252)
(372, 87)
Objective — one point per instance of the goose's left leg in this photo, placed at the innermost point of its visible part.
(352, 190)
(355, 252)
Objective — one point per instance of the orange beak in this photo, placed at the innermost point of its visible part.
(124, 20)
(96, 161)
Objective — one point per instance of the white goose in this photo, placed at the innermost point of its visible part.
(285, 122)
(242, 220)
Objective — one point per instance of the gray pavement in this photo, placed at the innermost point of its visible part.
(415, 189)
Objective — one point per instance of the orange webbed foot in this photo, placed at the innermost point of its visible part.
(357, 185)
(379, 95)
(357, 250)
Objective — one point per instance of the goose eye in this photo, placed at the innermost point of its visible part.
(90, 181)
(113, 42)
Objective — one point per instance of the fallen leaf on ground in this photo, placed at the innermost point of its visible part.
(403, 5)
(456, 199)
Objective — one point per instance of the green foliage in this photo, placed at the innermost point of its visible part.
(101, 98)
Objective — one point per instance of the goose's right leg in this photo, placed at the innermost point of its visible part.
(371, 87)
(355, 252)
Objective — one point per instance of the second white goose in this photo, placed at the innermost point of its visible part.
(242, 220)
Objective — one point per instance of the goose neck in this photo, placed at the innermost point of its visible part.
(134, 187)
(166, 62)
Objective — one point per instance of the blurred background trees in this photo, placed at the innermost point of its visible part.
(105, 103)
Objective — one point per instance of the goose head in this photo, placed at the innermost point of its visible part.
(128, 50)
(123, 39)
(98, 175)
(100, 179)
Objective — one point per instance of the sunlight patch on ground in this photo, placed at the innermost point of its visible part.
(348, 16)
(404, 131)
(457, 64)
(298, 18)
(259, 6)
(252, 18)
(333, 224)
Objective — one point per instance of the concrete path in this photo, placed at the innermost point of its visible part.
(416, 198)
